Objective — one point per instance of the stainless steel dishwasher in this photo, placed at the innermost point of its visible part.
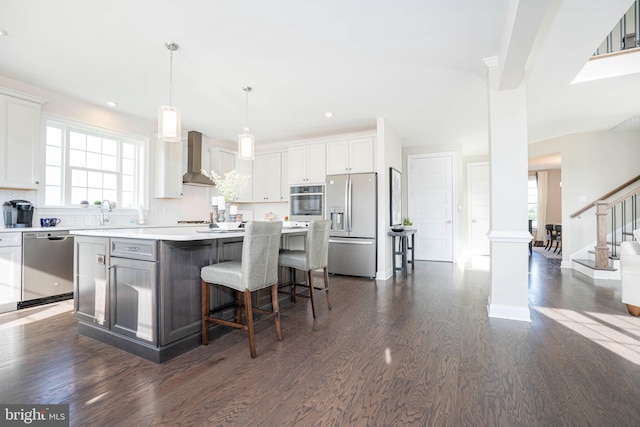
(47, 272)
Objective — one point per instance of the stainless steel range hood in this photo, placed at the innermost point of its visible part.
(194, 162)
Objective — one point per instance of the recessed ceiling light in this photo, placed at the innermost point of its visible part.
(328, 114)
(112, 104)
(3, 32)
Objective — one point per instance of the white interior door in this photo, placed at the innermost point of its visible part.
(430, 203)
(479, 207)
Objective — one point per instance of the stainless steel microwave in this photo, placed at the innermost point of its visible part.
(306, 202)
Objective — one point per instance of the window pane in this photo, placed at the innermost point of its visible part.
(54, 155)
(54, 136)
(128, 151)
(94, 195)
(53, 176)
(110, 147)
(94, 160)
(110, 195)
(52, 195)
(110, 181)
(94, 144)
(77, 158)
(94, 179)
(78, 178)
(127, 183)
(77, 141)
(128, 166)
(78, 195)
(127, 199)
(86, 164)
(109, 163)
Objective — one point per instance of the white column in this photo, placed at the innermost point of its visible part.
(509, 235)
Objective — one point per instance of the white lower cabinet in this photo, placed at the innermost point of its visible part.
(10, 266)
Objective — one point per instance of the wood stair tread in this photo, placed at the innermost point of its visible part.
(592, 264)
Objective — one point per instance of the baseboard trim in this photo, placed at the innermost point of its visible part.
(509, 312)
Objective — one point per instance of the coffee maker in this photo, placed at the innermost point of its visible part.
(17, 213)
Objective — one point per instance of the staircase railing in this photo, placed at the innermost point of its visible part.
(620, 215)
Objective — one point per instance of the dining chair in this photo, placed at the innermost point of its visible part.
(550, 236)
(314, 256)
(557, 228)
(257, 269)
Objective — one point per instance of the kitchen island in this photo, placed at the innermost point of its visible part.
(139, 288)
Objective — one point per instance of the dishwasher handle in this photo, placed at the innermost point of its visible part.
(53, 238)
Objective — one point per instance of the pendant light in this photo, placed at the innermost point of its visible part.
(168, 115)
(246, 141)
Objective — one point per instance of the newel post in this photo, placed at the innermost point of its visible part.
(602, 249)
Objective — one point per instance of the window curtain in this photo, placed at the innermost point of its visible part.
(542, 178)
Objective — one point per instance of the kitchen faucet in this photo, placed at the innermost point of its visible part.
(103, 220)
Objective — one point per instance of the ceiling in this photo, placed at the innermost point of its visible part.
(419, 64)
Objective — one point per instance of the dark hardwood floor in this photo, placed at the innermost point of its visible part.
(419, 351)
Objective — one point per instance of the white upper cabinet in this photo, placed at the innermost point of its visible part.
(284, 176)
(267, 178)
(19, 140)
(221, 161)
(168, 169)
(307, 164)
(350, 156)
(245, 193)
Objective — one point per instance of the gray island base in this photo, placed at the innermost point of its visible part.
(139, 289)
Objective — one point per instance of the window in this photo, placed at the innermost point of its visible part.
(533, 201)
(83, 163)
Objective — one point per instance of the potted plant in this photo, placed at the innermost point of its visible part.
(406, 222)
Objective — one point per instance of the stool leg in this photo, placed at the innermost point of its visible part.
(276, 309)
(238, 307)
(205, 312)
(310, 282)
(326, 285)
(249, 314)
(293, 284)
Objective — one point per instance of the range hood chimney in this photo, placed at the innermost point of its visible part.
(194, 162)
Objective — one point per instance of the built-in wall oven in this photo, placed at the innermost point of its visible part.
(306, 202)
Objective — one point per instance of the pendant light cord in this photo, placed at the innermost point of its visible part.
(172, 47)
(170, 74)
(246, 89)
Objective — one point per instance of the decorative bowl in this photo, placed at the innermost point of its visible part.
(397, 228)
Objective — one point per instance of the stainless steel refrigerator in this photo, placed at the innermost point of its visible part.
(352, 206)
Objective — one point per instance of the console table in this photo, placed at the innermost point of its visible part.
(402, 248)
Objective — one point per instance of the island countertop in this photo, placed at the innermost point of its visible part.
(183, 234)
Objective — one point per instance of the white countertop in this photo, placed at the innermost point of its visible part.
(92, 227)
(200, 232)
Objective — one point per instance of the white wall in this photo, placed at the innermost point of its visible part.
(388, 155)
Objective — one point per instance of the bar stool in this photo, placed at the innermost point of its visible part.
(257, 270)
(315, 256)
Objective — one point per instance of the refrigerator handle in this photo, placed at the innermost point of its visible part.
(346, 205)
(349, 218)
